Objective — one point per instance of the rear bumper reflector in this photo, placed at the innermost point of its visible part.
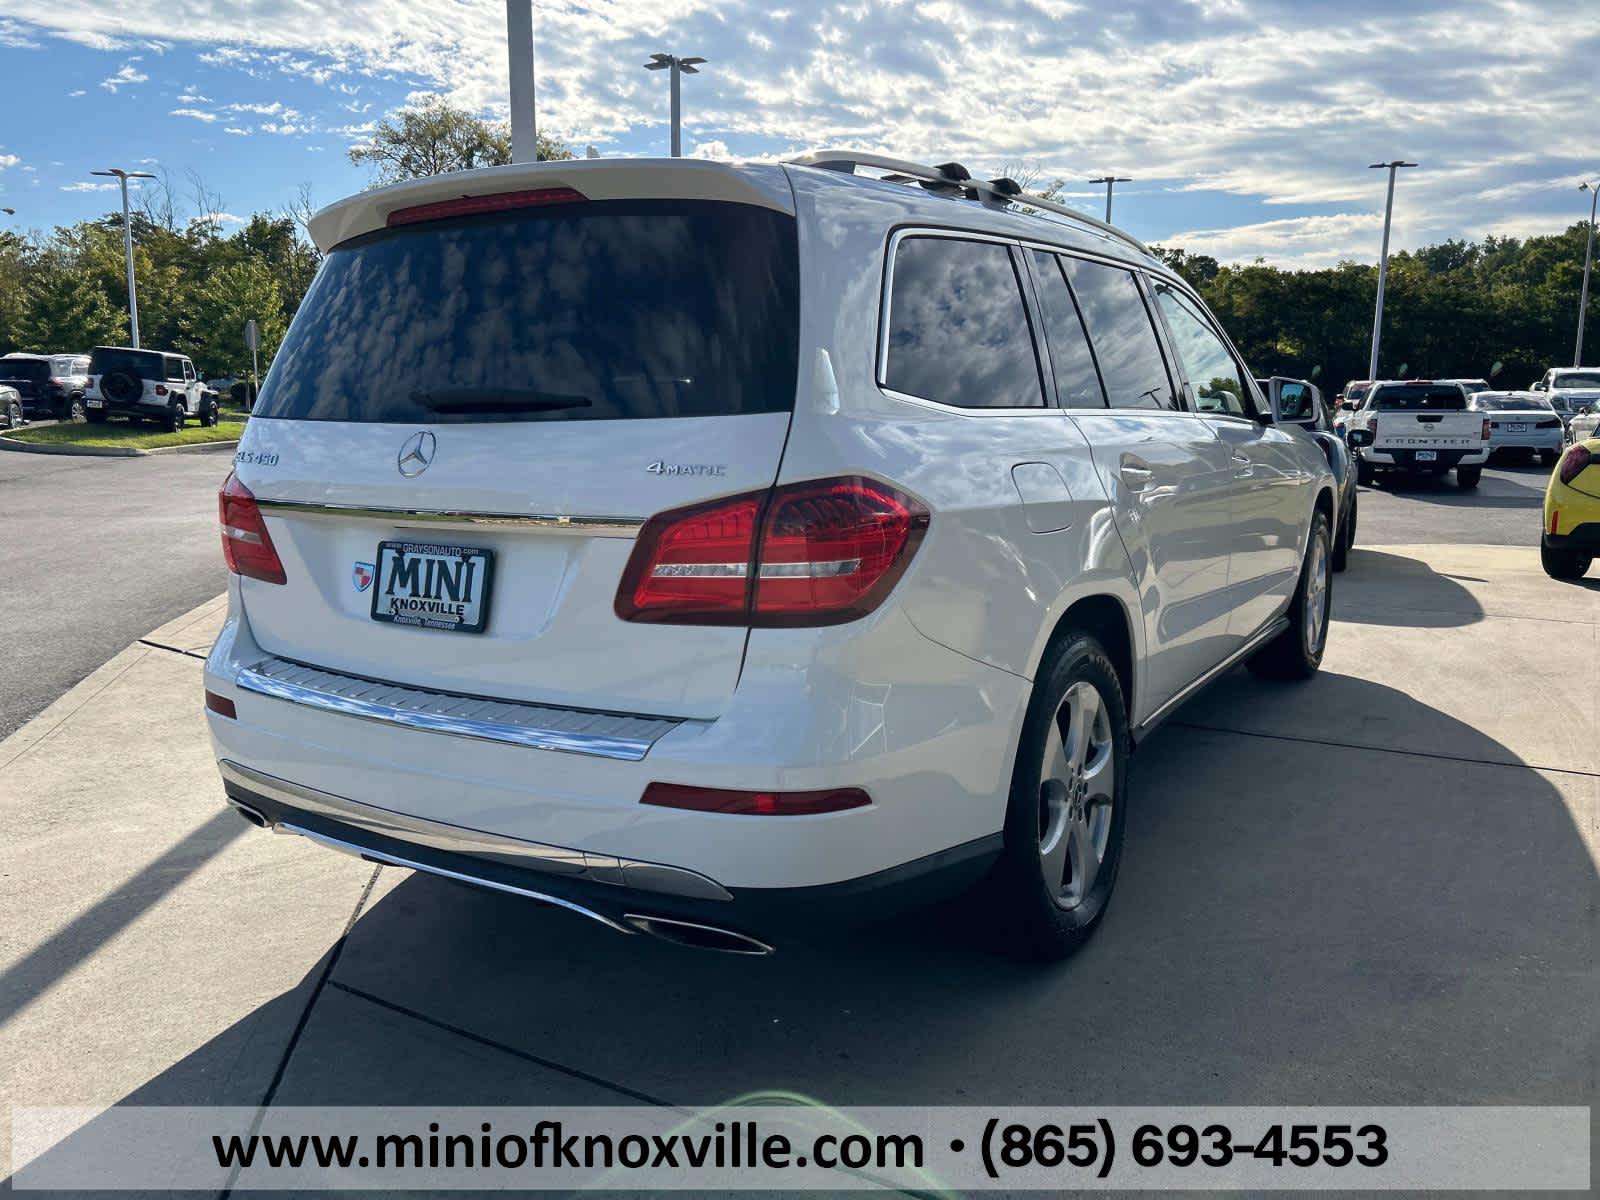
(754, 804)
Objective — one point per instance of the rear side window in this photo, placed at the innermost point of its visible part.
(1077, 381)
(590, 311)
(958, 327)
(1213, 374)
(1131, 364)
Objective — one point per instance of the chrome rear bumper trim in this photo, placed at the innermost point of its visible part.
(588, 526)
(437, 835)
(538, 726)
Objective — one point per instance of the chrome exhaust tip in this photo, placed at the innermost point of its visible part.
(254, 815)
(701, 937)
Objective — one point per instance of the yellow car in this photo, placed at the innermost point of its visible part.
(1571, 536)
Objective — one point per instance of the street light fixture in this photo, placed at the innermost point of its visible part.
(678, 66)
(127, 244)
(1110, 181)
(1588, 260)
(1383, 260)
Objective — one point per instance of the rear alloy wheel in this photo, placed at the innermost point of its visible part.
(13, 415)
(1296, 653)
(73, 410)
(1067, 810)
(1467, 477)
(1563, 563)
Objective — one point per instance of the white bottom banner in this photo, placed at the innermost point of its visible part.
(793, 1145)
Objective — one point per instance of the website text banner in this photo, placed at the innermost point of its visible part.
(799, 1147)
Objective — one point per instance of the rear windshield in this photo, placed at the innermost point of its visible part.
(146, 364)
(1492, 403)
(1419, 397)
(24, 368)
(594, 311)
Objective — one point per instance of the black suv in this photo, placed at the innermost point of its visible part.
(51, 385)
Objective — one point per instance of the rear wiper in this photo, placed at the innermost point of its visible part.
(497, 400)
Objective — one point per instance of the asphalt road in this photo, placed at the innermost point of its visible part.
(95, 553)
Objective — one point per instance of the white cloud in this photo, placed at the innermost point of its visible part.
(196, 113)
(236, 131)
(14, 37)
(711, 149)
(76, 92)
(126, 75)
(85, 185)
(9, 160)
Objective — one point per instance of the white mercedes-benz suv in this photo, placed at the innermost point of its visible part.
(706, 548)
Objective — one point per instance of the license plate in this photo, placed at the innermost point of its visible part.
(94, 403)
(1517, 428)
(433, 587)
(1427, 456)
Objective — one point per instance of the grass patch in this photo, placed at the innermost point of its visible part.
(125, 434)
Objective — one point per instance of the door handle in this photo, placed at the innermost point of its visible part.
(1136, 476)
(1242, 465)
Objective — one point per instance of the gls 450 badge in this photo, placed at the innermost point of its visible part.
(665, 468)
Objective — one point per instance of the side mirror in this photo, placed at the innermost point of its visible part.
(1348, 405)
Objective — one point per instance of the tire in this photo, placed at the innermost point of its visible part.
(1563, 564)
(72, 410)
(1296, 653)
(1365, 475)
(96, 416)
(1346, 540)
(13, 415)
(1547, 458)
(1467, 477)
(174, 419)
(1067, 812)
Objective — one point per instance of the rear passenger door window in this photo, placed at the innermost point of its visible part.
(1125, 343)
(1072, 364)
(958, 327)
(1215, 381)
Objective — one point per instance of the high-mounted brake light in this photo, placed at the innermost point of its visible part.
(464, 206)
(1574, 463)
(815, 553)
(754, 804)
(246, 544)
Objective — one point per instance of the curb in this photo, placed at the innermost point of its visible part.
(17, 447)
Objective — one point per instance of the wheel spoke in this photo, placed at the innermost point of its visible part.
(1053, 842)
(1085, 862)
(1055, 756)
(1100, 778)
(1085, 705)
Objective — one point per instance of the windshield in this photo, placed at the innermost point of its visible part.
(146, 364)
(590, 311)
(1577, 379)
(1473, 386)
(1489, 402)
(1356, 391)
(1419, 397)
(30, 369)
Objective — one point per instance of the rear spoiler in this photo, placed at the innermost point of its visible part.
(762, 184)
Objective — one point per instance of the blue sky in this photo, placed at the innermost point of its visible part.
(1247, 124)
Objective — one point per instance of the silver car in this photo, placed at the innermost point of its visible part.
(1522, 423)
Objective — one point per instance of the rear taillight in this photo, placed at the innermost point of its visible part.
(161, 389)
(1573, 463)
(464, 206)
(246, 544)
(1486, 429)
(754, 804)
(814, 553)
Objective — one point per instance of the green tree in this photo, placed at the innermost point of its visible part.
(214, 330)
(434, 137)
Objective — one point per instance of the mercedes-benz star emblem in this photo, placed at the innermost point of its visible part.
(417, 453)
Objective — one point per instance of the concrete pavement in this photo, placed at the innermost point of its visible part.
(1378, 887)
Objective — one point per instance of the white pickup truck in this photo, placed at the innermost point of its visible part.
(1417, 427)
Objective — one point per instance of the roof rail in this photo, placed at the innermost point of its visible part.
(951, 179)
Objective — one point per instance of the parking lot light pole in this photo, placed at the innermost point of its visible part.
(1588, 261)
(1383, 260)
(1110, 181)
(678, 66)
(519, 49)
(127, 245)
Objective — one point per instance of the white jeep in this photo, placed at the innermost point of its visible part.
(146, 383)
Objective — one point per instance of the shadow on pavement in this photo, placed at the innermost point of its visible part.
(1296, 923)
(1399, 590)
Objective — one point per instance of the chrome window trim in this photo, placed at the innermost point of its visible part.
(588, 526)
(439, 835)
(261, 680)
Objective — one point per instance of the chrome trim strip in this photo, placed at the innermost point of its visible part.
(458, 839)
(621, 747)
(653, 926)
(1269, 631)
(394, 860)
(588, 526)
